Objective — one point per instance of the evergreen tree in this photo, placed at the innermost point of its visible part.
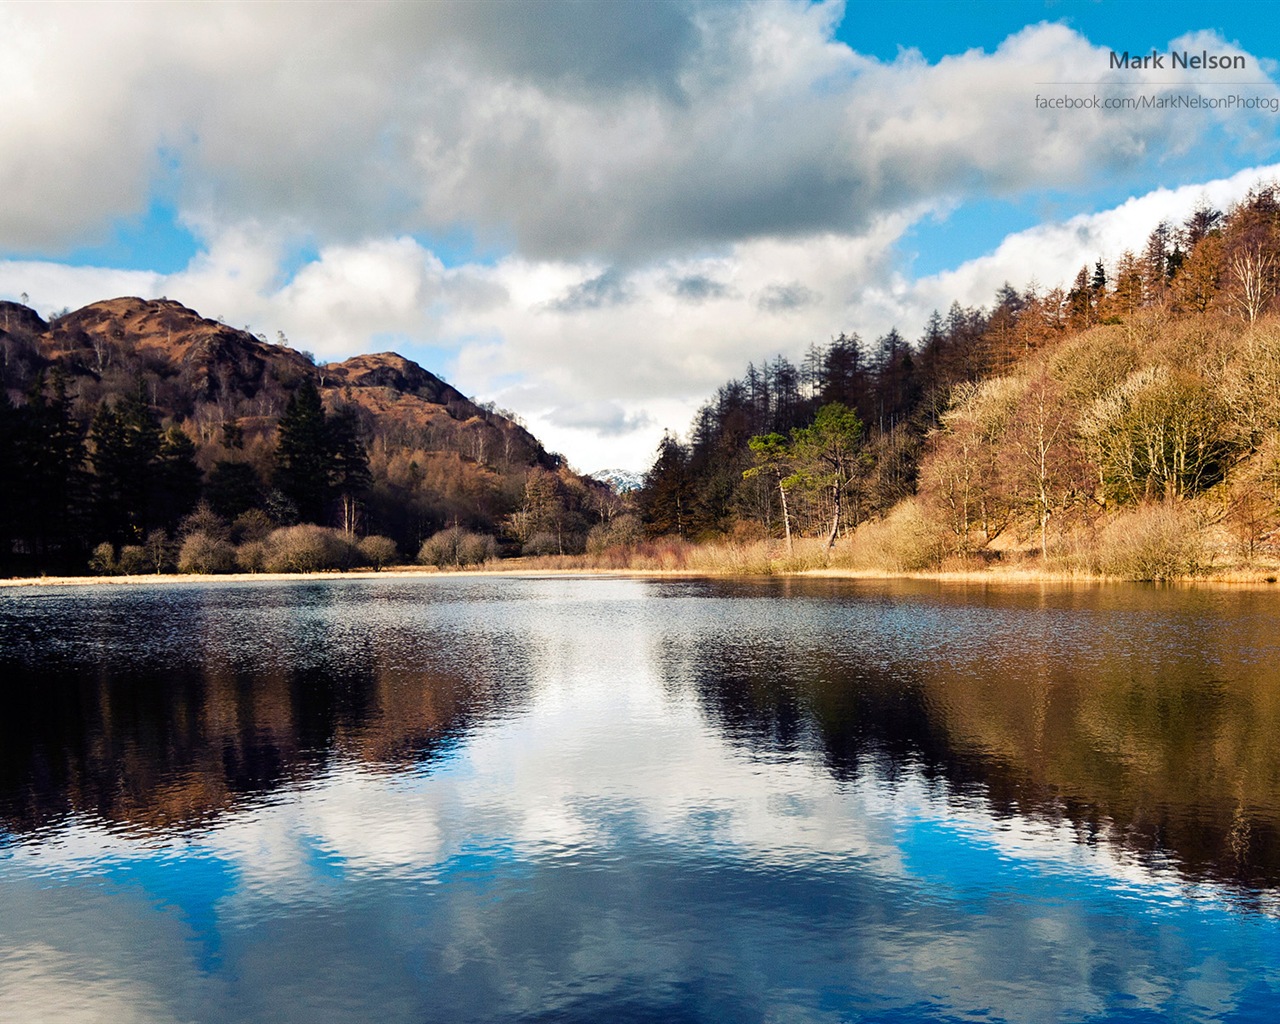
(773, 458)
(233, 488)
(321, 460)
(50, 506)
(302, 454)
(788, 405)
(666, 498)
(1080, 302)
(11, 469)
(126, 443)
(349, 466)
(828, 455)
(844, 377)
(177, 478)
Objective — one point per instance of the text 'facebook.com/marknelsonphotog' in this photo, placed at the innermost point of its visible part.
(1160, 101)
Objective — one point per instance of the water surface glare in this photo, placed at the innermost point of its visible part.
(602, 799)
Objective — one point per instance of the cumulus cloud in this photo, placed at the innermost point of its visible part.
(603, 417)
(603, 290)
(566, 130)
(1052, 253)
(698, 287)
(782, 298)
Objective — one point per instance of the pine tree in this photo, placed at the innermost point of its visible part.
(126, 442)
(828, 455)
(349, 466)
(666, 498)
(302, 454)
(177, 478)
(50, 506)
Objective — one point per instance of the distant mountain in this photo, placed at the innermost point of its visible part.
(621, 480)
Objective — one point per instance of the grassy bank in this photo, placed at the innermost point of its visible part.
(875, 551)
(1157, 542)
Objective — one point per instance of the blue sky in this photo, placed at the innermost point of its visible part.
(588, 211)
(938, 28)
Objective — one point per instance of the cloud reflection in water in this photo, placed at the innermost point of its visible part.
(580, 799)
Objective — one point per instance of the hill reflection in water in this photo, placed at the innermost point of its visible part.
(162, 708)
(578, 799)
(1142, 716)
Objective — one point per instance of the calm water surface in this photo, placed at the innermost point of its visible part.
(624, 800)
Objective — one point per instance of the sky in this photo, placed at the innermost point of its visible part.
(595, 213)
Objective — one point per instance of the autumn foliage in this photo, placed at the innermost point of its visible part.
(1127, 426)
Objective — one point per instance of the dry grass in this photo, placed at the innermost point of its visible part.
(906, 541)
(1155, 542)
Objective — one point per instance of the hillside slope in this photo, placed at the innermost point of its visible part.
(133, 390)
(1128, 425)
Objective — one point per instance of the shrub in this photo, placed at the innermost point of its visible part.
(202, 553)
(457, 547)
(308, 548)
(378, 551)
(437, 550)
(254, 525)
(1153, 542)
(103, 560)
(542, 544)
(251, 556)
(476, 549)
(204, 520)
(162, 553)
(134, 560)
(620, 532)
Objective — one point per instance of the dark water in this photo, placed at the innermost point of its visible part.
(620, 800)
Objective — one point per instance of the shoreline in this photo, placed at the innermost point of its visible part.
(1233, 578)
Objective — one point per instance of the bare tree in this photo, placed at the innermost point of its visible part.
(1253, 274)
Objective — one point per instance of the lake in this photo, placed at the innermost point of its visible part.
(608, 799)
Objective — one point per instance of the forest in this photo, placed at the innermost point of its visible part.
(1126, 425)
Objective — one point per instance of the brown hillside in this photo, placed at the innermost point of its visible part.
(436, 457)
(208, 373)
(389, 370)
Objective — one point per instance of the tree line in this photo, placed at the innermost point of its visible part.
(127, 481)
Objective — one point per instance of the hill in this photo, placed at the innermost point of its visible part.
(127, 416)
(1128, 425)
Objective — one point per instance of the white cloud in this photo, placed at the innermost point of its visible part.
(1051, 254)
(628, 130)
(598, 359)
(51, 287)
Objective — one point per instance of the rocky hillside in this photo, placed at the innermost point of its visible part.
(434, 457)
